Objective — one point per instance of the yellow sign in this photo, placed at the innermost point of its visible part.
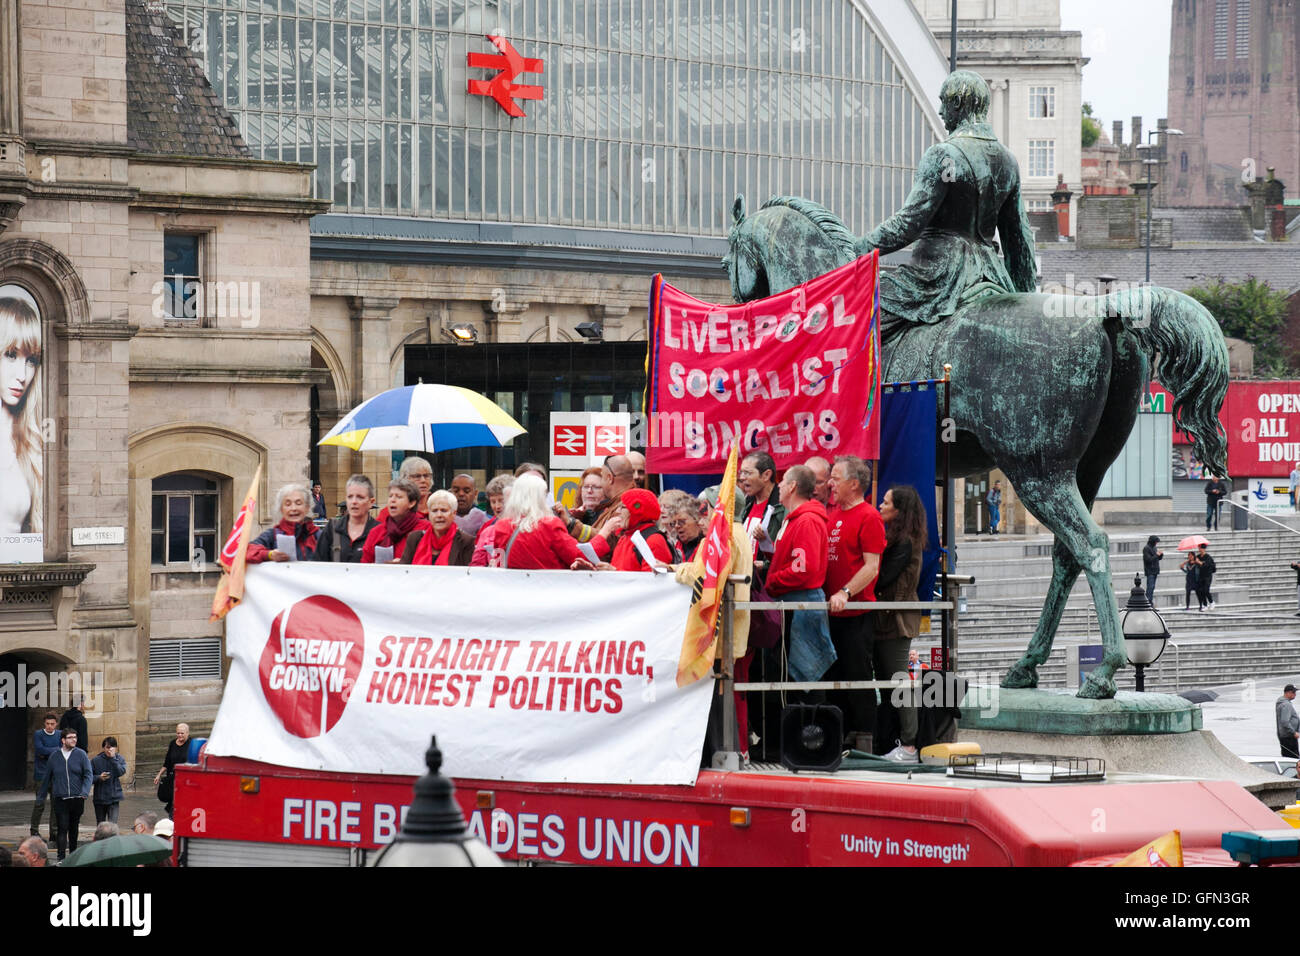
(565, 486)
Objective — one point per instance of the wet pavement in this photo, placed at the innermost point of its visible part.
(16, 817)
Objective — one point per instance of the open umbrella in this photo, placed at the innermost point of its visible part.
(431, 418)
(1193, 542)
(127, 849)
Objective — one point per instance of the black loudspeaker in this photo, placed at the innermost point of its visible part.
(812, 737)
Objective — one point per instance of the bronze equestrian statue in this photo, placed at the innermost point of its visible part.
(1044, 387)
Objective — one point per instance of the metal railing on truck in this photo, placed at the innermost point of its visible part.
(730, 759)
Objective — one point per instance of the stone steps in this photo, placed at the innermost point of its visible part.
(1198, 664)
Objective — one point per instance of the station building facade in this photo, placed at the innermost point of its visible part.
(235, 221)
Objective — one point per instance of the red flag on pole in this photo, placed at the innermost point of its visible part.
(230, 589)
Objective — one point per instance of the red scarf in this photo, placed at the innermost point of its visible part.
(395, 529)
(442, 546)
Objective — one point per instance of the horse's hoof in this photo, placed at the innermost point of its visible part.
(1098, 688)
(1021, 675)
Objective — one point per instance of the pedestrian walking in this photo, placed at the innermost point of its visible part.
(177, 753)
(1295, 566)
(994, 500)
(1151, 566)
(71, 776)
(1288, 722)
(45, 744)
(1206, 577)
(108, 768)
(1191, 576)
(1216, 489)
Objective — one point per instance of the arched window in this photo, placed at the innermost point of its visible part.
(185, 520)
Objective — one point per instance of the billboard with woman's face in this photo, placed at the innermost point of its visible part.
(22, 449)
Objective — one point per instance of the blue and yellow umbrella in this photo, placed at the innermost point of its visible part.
(431, 418)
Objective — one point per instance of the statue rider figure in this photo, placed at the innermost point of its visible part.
(966, 188)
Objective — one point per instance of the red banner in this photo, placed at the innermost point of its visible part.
(1263, 424)
(796, 374)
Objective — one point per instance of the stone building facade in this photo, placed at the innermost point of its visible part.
(115, 158)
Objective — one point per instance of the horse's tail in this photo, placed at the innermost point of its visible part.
(1188, 356)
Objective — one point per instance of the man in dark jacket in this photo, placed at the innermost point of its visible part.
(70, 780)
(1295, 566)
(1216, 489)
(1151, 567)
(74, 718)
(45, 743)
(764, 512)
(108, 767)
(1206, 576)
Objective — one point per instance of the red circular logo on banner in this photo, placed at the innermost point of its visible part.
(310, 664)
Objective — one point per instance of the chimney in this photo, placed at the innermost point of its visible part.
(1061, 204)
(1117, 133)
(1137, 131)
(1274, 213)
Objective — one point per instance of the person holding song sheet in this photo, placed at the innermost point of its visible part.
(641, 544)
(387, 541)
(294, 537)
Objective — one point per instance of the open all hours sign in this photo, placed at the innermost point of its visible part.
(546, 676)
(1263, 424)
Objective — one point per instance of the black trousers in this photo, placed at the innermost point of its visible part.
(852, 639)
(67, 813)
(1288, 745)
(1203, 589)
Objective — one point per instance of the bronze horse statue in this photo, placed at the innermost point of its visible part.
(1044, 387)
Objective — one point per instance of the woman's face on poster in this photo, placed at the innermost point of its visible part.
(17, 371)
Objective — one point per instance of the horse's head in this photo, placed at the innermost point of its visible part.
(788, 241)
(743, 261)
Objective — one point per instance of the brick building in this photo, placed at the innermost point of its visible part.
(1234, 91)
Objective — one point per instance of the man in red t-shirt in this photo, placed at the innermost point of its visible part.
(855, 541)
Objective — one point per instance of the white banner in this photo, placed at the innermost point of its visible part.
(546, 676)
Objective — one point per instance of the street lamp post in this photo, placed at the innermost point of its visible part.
(433, 832)
(1144, 630)
(1148, 163)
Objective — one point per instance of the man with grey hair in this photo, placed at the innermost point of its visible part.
(420, 473)
(468, 518)
(104, 831)
(35, 851)
(343, 538)
(145, 822)
(821, 469)
(967, 190)
(855, 543)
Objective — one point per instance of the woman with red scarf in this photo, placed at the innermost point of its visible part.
(444, 544)
(400, 521)
(642, 511)
(293, 501)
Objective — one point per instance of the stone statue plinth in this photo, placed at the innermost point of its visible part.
(1041, 711)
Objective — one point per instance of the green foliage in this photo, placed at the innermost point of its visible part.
(1091, 128)
(1252, 311)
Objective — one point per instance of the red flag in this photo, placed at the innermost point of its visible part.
(712, 564)
(230, 589)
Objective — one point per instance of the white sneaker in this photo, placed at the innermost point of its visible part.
(1211, 605)
(901, 754)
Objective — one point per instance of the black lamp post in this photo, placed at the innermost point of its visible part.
(1144, 630)
(433, 833)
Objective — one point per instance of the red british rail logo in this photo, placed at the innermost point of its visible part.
(503, 87)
